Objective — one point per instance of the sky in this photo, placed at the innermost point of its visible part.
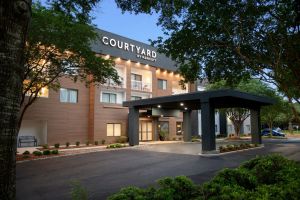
(140, 27)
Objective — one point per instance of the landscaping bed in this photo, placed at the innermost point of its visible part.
(237, 147)
(37, 155)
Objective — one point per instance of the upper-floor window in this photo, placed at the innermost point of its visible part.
(136, 98)
(109, 97)
(162, 84)
(68, 95)
(136, 77)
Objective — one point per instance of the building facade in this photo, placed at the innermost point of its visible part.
(95, 113)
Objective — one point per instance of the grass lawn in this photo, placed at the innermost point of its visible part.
(288, 132)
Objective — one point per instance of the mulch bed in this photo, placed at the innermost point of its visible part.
(70, 147)
(21, 157)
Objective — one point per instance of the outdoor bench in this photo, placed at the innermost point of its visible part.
(27, 139)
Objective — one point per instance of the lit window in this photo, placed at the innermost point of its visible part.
(68, 95)
(109, 97)
(136, 98)
(162, 84)
(113, 129)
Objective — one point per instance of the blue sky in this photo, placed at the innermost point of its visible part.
(138, 27)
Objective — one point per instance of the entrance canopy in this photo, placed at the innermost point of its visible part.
(207, 102)
(193, 101)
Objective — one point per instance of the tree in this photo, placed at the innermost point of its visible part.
(237, 116)
(14, 20)
(51, 55)
(230, 40)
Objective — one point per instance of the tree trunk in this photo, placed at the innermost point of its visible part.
(14, 19)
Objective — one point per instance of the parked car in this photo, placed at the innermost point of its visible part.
(266, 132)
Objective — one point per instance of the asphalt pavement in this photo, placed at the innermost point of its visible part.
(104, 173)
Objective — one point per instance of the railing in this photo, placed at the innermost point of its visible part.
(142, 86)
(178, 91)
(111, 83)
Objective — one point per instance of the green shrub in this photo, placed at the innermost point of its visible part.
(26, 153)
(54, 152)
(267, 177)
(46, 152)
(180, 138)
(113, 146)
(102, 141)
(78, 192)
(77, 144)
(45, 146)
(96, 143)
(56, 145)
(37, 153)
(87, 143)
(25, 156)
(122, 139)
(67, 144)
(174, 138)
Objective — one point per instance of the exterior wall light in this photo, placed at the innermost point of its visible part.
(159, 106)
(181, 104)
(185, 108)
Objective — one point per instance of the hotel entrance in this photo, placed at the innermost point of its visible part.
(145, 130)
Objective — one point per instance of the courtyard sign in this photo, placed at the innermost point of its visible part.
(142, 53)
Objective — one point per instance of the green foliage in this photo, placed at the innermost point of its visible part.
(87, 143)
(179, 188)
(37, 153)
(102, 141)
(77, 143)
(45, 146)
(56, 145)
(46, 152)
(67, 144)
(266, 177)
(122, 139)
(26, 153)
(57, 46)
(78, 192)
(96, 143)
(55, 152)
(114, 146)
(230, 40)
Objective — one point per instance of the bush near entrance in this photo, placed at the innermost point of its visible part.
(268, 177)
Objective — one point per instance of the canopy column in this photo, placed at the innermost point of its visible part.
(208, 128)
(133, 126)
(255, 126)
(187, 132)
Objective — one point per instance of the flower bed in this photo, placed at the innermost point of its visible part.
(36, 155)
(235, 147)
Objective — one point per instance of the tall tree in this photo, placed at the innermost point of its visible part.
(230, 40)
(14, 19)
(50, 55)
(238, 115)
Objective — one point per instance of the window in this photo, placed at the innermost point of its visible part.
(136, 77)
(113, 129)
(68, 95)
(162, 84)
(136, 98)
(179, 128)
(109, 97)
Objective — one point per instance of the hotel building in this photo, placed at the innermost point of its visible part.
(79, 113)
(95, 113)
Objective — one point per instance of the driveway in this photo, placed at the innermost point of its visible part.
(104, 173)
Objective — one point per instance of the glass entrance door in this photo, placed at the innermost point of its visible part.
(145, 131)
